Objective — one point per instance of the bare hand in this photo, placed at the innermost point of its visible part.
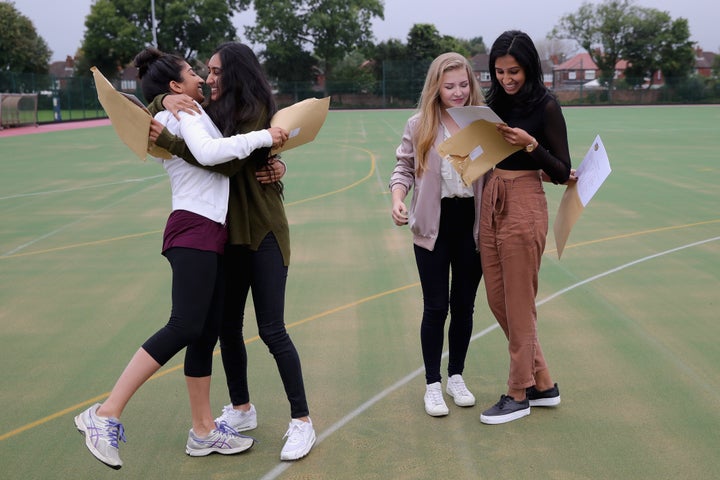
(279, 136)
(514, 136)
(272, 172)
(573, 177)
(399, 214)
(156, 129)
(180, 103)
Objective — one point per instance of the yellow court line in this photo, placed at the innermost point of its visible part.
(324, 314)
(635, 234)
(98, 398)
(155, 232)
(84, 244)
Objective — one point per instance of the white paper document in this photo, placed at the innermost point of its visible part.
(464, 116)
(593, 171)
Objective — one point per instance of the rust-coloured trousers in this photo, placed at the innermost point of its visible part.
(513, 229)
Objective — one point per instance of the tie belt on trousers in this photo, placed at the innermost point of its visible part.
(499, 181)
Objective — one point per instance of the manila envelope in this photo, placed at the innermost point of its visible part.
(476, 149)
(568, 213)
(302, 120)
(129, 117)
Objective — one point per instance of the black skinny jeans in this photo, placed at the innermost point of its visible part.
(455, 251)
(197, 303)
(264, 273)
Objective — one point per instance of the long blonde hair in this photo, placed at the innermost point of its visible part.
(429, 106)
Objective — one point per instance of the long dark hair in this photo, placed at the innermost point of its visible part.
(519, 45)
(245, 100)
(156, 70)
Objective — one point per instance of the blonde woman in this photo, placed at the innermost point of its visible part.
(444, 218)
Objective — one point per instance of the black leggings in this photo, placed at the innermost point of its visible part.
(197, 296)
(454, 250)
(264, 273)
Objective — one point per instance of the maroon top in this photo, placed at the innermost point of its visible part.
(190, 230)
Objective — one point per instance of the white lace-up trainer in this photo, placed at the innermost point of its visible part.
(300, 439)
(237, 419)
(458, 391)
(434, 402)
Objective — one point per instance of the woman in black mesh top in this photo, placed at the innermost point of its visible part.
(514, 218)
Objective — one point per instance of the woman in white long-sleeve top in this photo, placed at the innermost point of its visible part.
(194, 239)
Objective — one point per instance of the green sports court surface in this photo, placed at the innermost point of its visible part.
(629, 318)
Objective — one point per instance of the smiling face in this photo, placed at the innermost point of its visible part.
(454, 88)
(191, 83)
(509, 74)
(214, 66)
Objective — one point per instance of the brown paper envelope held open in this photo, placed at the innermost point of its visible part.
(476, 149)
(302, 120)
(129, 118)
(568, 213)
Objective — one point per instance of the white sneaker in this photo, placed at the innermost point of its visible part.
(434, 402)
(458, 391)
(101, 436)
(222, 439)
(300, 439)
(238, 420)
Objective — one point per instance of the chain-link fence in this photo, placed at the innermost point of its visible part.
(389, 85)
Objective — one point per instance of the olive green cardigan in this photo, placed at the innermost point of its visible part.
(254, 209)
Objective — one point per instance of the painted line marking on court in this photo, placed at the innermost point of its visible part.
(70, 224)
(14, 252)
(76, 189)
(384, 393)
(280, 468)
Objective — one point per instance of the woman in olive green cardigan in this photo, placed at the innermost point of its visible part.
(258, 251)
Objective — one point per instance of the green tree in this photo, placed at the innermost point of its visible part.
(116, 30)
(327, 28)
(657, 43)
(474, 46)
(353, 74)
(677, 52)
(391, 66)
(22, 50)
(601, 30)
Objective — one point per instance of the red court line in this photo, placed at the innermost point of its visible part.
(53, 127)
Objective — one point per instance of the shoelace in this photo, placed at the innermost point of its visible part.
(114, 431)
(435, 396)
(292, 431)
(504, 401)
(226, 429)
(461, 389)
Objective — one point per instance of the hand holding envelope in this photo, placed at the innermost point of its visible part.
(129, 118)
(302, 120)
(478, 146)
(591, 173)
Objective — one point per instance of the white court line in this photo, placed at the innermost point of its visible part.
(99, 185)
(79, 220)
(280, 468)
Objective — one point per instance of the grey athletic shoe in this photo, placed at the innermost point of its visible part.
(222, 439)
(101, 436)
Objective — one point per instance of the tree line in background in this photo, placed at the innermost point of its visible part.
(301, 40)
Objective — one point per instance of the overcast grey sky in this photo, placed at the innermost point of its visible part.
(62, 25)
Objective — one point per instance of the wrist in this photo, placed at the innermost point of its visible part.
(531, 146)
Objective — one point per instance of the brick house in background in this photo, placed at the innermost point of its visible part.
(480, 65)
(704, 62)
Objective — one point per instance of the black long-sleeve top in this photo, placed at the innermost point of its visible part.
(546, 123)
